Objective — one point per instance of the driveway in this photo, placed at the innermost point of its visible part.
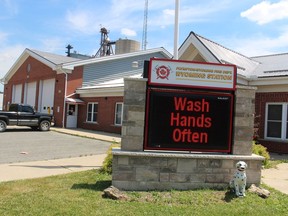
(23, 144)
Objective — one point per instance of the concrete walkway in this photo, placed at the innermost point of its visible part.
(276, 177)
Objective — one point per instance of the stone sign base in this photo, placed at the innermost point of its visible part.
(140, 171)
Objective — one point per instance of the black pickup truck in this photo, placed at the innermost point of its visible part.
(24, 115)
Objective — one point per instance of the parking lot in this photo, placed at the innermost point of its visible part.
(23, 144)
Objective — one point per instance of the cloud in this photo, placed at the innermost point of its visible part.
(8, 9)
(259, 44)
(266, 12)
(8, 56)
(81, 21)
(128, 32)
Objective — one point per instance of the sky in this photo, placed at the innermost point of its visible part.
(250, 27)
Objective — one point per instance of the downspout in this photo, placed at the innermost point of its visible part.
(61, 70)
(64, 102)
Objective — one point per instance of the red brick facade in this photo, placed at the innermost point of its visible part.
(37, 73)
(106, 114)
(260, 106)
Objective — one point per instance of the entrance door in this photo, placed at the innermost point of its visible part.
(72, 110)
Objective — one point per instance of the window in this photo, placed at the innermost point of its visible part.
(118, 113)
(92, 112)
(276, 126)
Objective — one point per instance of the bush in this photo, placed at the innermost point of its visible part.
(262, 151)
(107, 163)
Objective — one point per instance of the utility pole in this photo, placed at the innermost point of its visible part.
(144, 34)
(176, 29)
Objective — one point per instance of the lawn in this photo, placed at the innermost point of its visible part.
(81, 194)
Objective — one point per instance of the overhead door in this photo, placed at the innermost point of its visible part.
(46, 96)
(30, 94)
(17, 93)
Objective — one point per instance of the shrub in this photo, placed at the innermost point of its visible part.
(107, 163)
(262, 151)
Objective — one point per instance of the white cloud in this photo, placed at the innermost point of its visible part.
(52, 44)
(8, 9)
(81, 21)
(8, 56)
(259, 44)
(128, 32)
(266, 12)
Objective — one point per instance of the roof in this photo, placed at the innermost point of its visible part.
(214, 52)
(53, 58)
(261, 66)
(272, 65)
(71, 65)
(49, 59)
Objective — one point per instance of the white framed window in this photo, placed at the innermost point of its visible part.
(276, 121)
(118, 114)
(92, 112)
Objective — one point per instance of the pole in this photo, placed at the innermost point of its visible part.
(176, 29)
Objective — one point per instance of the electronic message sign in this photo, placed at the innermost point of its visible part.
(191, 110)
(191, 121)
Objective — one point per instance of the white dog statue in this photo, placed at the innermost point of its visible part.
(238, 182)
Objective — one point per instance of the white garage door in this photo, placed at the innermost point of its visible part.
(17, 93)
(30, 94)
(46, 96)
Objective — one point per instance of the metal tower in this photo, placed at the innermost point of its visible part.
(105, 44)
(144, 34)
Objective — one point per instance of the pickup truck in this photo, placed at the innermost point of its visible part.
(25, 115)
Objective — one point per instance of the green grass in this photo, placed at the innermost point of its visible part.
(81, 194)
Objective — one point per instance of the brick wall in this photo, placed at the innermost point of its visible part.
(106, 114)
(260, 105)
(39, 71)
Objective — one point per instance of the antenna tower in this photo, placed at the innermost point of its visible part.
(144, 34)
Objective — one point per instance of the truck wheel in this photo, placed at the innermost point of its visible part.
(44, 125)
(3, 126)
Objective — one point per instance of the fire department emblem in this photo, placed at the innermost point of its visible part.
(163, 72)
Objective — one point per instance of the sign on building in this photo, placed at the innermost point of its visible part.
(189, 106)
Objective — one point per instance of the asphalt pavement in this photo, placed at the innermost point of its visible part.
(275, 177)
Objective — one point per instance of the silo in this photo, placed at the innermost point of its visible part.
(126, 46)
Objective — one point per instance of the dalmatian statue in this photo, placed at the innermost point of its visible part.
(238, 182)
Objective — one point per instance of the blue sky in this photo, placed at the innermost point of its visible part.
(251, 27)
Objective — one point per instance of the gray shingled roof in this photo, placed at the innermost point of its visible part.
(54, 58)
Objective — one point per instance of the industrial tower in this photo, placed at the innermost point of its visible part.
(144, 34)
(106, 48)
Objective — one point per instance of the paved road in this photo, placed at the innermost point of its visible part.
(22, 145)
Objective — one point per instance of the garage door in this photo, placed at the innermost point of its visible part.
(30, 94)
(17, 93)
(46, 96)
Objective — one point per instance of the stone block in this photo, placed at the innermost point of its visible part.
(179, 177)
(134, 131)
(164, 177)
(197, 178)
(123, 176)
(214, 178)
(140, 161)
(159, 162)
(147, 174)
(132, 143)
(186, 165)
(132, 84)
(123, 160)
